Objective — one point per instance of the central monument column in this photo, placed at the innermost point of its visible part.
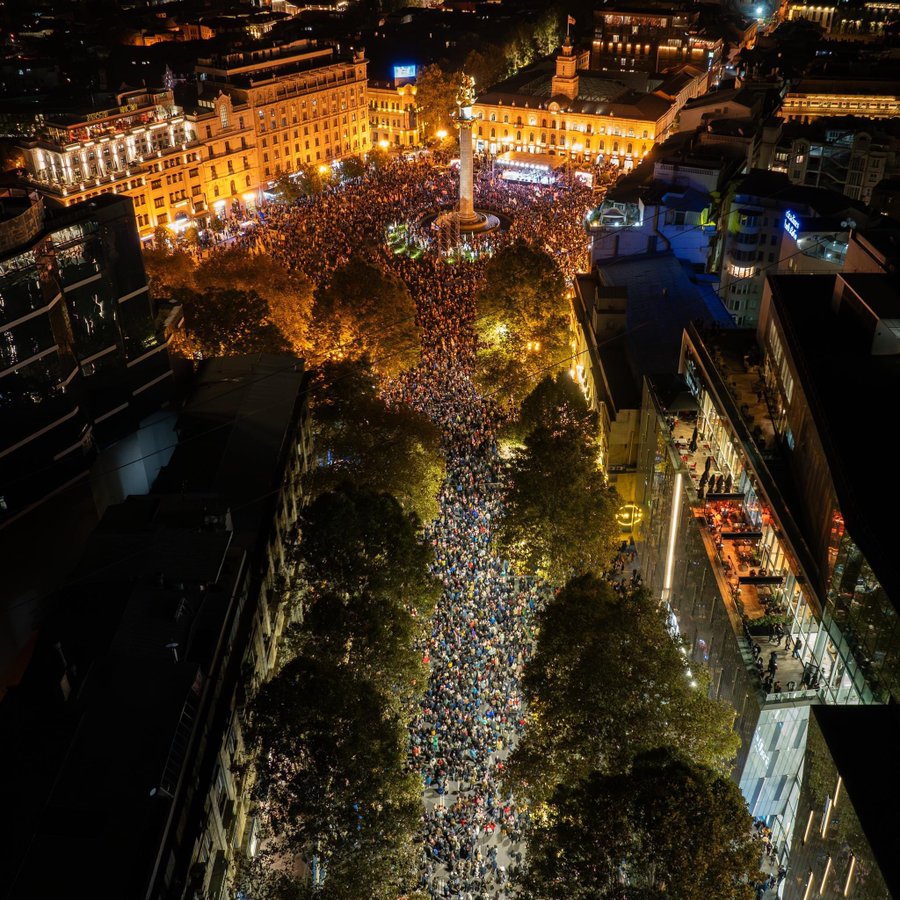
(463, 226)
(464, 119)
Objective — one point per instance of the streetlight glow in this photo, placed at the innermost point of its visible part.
(441, 134)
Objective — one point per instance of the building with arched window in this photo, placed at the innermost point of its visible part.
(562, 108)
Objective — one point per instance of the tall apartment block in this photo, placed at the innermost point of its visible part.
(304, 104)
(82, 356)
(763, 535)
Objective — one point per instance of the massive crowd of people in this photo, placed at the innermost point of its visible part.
(319, 233)
(480, 635)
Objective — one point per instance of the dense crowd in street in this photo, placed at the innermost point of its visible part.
(480, 637)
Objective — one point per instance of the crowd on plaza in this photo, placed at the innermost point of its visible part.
(319, 233)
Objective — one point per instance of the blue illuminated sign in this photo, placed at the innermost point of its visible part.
(405, 72)
(791, 224)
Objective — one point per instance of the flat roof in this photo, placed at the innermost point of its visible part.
(662, 300)
(233, 430)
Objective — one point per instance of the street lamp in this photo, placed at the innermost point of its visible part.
(441, 134)
(384, 144)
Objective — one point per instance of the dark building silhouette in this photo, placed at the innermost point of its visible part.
(82, 356)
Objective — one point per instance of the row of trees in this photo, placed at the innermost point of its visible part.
(330, 729)
(625, 757)
(236, 302)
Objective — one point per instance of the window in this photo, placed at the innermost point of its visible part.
(159, 203)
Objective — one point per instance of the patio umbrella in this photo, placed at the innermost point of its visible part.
(708, 465)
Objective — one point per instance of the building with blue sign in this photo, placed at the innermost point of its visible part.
(768, 225)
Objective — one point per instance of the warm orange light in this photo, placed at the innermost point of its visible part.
(442, 134)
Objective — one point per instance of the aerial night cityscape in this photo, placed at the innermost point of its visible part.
(438, 450)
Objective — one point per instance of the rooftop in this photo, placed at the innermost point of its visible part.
(662, 300)
(615, 93)
(233, 432)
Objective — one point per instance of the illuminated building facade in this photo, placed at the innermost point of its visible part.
(393, 115)
(306, 107)
(258, 115)
(651, 36)
(841, 846)
(814, 98)
(82, 357)
(145, 148)
(759, 515)
(769, 222)
(579, 114)
(865, 22)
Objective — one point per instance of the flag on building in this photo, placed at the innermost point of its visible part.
(570, 20)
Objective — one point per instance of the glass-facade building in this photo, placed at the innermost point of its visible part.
(746, 543)
(844, 842)
(82, 357)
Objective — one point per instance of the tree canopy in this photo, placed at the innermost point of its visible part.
(522, 321)
(332, 758)
(355, 539)
(606, 683)
(288, 294)
(666, 827)
(330, 729)
(359, 437)
(367, 311)
(560, 513)
(556, 402)
(224, 322)
(436, 98)
(232, 283)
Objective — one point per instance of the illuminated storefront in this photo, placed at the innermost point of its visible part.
(725, 554)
